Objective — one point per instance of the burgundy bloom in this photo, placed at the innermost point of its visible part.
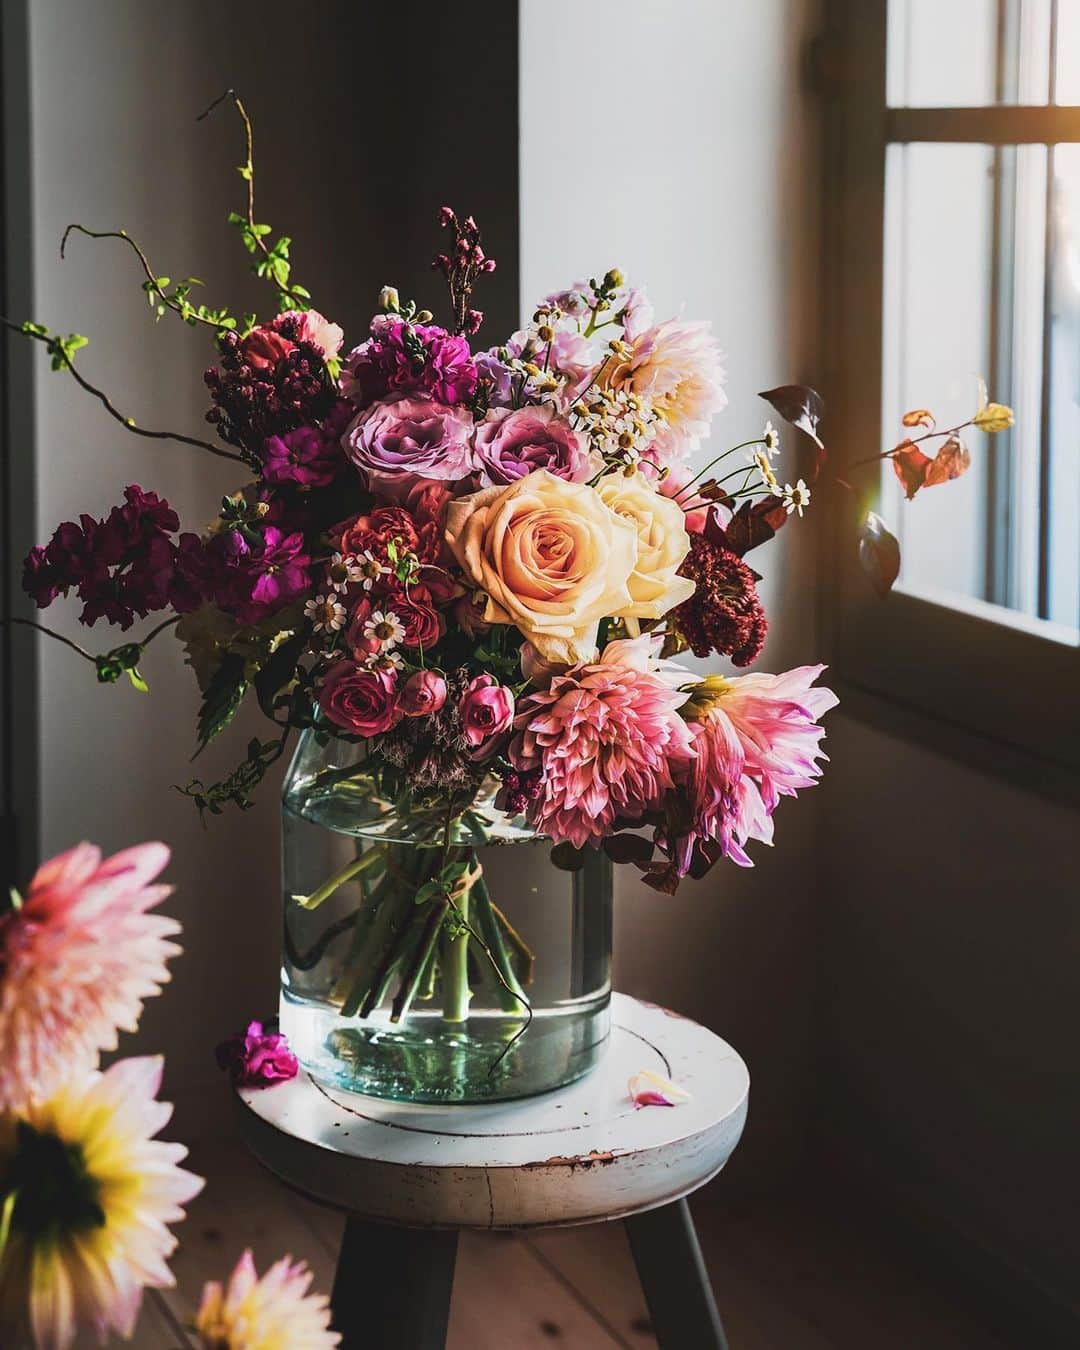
(256, 1057)
(358, 700)
(724, 614)
(266, 385)
(386, 530)
(262, 349)
(305, 456)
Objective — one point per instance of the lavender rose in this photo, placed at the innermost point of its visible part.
(508, 445)
(411, 436)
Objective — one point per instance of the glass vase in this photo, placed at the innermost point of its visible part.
(495, 986)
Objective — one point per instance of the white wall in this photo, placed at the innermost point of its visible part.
(675, 140)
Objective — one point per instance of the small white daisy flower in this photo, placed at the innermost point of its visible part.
(771, 438)
(760, 461)
(387, 659)
(344, 571)
(369, 569)
(796, 498)
(385, 627)
(326, 613)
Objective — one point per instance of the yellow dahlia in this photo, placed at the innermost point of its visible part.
(275, 1312)
(77, 958)
(88, 1195)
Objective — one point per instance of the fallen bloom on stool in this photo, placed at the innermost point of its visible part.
(272, 1313)
(77, 957)
(256, 1057)
(87, 1195)
(649, 1089)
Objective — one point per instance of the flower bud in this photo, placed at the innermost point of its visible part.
(424, 693)
(389, 301)
(613, 279)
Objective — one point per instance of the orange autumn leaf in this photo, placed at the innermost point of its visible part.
(910, 465)
(950, 462)
(919, 417)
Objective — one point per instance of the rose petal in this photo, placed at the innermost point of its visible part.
(649, 1089)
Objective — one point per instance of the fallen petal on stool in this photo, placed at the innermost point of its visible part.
(649, 1089)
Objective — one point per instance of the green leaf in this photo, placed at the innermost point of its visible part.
(221, 699)
(278, 672)
(137, 680)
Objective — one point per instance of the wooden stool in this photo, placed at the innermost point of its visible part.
(411, 1177)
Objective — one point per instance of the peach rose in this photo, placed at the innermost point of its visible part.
(550, 557)
(662, 544)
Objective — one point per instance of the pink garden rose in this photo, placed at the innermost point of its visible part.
(487, 710)
(509, 445)
(424, 693)
(358, 700)
(262, 349)
(411, 436)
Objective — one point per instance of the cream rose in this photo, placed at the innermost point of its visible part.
(549, 555)
(662, 544)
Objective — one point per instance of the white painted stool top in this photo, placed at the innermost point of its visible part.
(577, 1155)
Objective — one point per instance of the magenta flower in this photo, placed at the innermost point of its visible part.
(509, 445)
(417, 359)
(261, 580)
(487, 710)
(411, 436)
(256, 1057)
(306, 456)
(606, 739)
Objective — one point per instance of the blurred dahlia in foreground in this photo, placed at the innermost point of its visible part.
(77, 957)
(88, 1196)
(274, 1312)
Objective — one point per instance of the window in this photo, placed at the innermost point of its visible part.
(953, 132)
(982, 274)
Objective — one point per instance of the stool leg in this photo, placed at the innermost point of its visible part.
(674, 1279)
(392, 1287)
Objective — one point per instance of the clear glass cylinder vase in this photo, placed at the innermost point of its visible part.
(496, 986)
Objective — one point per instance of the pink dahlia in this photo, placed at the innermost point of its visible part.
(77, 958)
(756, 739)
(606, 739)
(267, 1313)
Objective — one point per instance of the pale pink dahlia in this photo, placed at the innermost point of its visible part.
(756, 739)
(678, 367)
(606, 740)
(89, 1196)
(275, 1312)
(77, 958)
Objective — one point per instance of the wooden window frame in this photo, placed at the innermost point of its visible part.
(998, 680)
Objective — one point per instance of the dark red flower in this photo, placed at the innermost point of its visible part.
(724, 614)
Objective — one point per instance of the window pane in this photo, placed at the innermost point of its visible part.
(1067, 65)
(971, 53)
(972, 290)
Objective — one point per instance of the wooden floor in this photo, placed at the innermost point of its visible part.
(788, 1276)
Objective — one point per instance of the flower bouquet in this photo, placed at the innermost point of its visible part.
(462, 574)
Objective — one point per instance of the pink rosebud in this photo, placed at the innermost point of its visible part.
(487, 710)
(424, 693)
(649, 1089)
(257, 1058)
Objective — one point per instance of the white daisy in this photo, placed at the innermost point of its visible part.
(343, 571)
(385, 627)
(387, 659)
(760, 461)
(796, 498)
(369, 569)
(771, 438)
(326, 613)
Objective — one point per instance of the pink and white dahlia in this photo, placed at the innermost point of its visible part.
(90, 1194)
(677, 366)
(77, 958)
(756, 738)
(606, 740)
(275, 1312)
